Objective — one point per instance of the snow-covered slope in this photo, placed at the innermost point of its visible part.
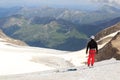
(16, 59)
(31, 63)
(105, 70)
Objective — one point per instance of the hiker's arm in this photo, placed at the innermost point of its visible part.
(96, 48)
(87, 48)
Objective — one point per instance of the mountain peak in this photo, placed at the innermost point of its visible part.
(109, 9)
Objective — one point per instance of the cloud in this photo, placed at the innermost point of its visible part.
(111, 2)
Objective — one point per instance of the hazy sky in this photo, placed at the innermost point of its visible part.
(5, 3)
(45, 2)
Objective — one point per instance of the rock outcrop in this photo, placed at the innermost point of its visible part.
(110, 50)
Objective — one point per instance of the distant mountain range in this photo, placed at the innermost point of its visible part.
(43, 32)
(62, 29)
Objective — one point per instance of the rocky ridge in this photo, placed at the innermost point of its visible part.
(111, 48)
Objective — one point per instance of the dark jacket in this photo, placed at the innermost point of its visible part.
(92, 45)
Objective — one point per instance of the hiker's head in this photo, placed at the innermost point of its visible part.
(92, 37)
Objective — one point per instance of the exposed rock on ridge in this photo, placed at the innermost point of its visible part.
(110, 50)
(108, 31)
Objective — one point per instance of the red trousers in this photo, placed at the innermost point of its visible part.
(91, 57)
